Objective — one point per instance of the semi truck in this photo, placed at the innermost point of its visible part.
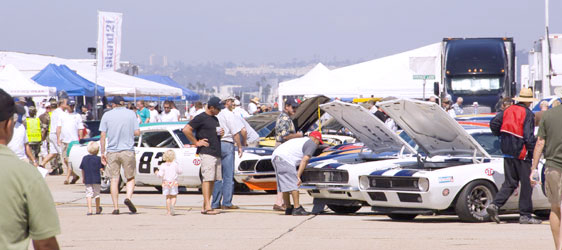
(480, 70)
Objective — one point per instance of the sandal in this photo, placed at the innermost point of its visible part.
(88, 214)
(65, 182)
(75, 179)
(209, 212)
(98, 210)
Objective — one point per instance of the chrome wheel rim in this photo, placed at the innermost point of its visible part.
(478, 200)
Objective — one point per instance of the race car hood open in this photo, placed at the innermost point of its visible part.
(368, 128)
(433, 130)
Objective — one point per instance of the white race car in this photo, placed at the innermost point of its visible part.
(334, 182)
(154, 140)
(455, 174)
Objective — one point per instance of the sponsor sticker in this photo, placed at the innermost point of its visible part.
(446, 179)
(196, 162)
(489, 172)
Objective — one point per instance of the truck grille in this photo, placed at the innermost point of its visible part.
(325, 176)
(264, 166)
(394, 183)
(247, 165)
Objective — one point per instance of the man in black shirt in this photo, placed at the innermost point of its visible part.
(207, 140)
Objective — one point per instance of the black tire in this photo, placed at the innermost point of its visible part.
(473, 200)
(241, 188)
(402, 217)
(271, 191)
(542, 214)
(105, 186)
(339, 209)
(159, 188)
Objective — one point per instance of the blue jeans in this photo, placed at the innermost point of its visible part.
(225, 187)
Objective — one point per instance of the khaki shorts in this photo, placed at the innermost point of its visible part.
(53, 145)
(93, 190)
(116, 160)
(64, 148)
(553, 184)
(211, 169)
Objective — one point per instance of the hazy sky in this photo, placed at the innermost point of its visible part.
(268, 31)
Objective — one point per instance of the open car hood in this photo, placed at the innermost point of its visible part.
(368, 128)
(433, 130)
(307, 114)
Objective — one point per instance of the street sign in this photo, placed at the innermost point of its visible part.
(424, 77)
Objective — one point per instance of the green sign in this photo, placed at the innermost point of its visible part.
(424, 77)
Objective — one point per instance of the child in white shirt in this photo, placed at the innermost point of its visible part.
(169, 171)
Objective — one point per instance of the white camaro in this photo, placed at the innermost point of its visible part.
(454, 174)
(154, 140)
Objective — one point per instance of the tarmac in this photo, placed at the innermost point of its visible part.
(257, 226)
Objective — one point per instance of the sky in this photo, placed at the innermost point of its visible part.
(257, 32)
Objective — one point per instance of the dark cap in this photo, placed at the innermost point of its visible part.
(72, 103)
(215, 102)
(292, 101)
(8, 106)
(118, 100)
(20, 110)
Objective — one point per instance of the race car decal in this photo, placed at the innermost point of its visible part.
(332, 165)
(489, 172)
(196, 162)
(446, 179)
(406, 172)
(145, 160)
(379, 172)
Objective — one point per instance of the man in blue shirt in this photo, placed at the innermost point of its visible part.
(120, 127)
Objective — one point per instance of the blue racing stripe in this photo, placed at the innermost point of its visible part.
(332, 165)
(379, 172)
(406, 172)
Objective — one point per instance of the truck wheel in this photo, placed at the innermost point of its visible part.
(543, 214)
(105, 186)
(402, 217)
(473, 200)
(339, 209)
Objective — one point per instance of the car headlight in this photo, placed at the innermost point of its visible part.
(423, 184)
(364, 182)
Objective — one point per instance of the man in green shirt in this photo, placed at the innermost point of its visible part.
(143, 113)
(27, 209)
(550, 139)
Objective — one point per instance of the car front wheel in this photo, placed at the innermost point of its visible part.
(105, 186)
(339, 209)
(473, 200)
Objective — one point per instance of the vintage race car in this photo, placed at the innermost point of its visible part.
(154, 140)
(454, 173)
(334, 182)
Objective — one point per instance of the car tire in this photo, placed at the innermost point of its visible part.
(542, 214)
(271, 191)
(159, 188)
(402, 217)
(339, 209)
(105, 186)
(473, 200)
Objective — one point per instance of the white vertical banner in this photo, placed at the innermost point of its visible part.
(109, 40)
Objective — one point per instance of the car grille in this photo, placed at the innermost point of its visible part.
(394, 183)
(264, 166)
(247, 165)
(325, 176)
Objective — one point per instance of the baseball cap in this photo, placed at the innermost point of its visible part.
(229, 98)
(215, 102)
(72, 103)
(236, 103)
(316, 135)
(292, 101)
(8, 106)
(118, 100)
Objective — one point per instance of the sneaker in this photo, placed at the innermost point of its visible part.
(98, 210)
(130, 205)
(115, 211)
(289, 210)
(300, 211)
(529, 220)
(230, 207)
(493, 212)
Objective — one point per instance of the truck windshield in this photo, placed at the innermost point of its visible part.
(475, 84)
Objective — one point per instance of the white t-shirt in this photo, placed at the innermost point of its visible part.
(176, 113)
(55, 120)
(252, 108)
(19, 139)
(197, 112)
(230, 124)
(154, 116)
(168, 117)
(253, 136)
(239, 111)
(70, 124)
(294, 150)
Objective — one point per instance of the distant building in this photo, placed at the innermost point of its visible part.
(157, 60)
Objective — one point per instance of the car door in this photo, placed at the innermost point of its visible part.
(188, 159)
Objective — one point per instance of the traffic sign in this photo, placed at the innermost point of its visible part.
(424, 77)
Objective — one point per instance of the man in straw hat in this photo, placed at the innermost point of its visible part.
(253, 106)
(515, 127)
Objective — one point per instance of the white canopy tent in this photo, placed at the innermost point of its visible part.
(16, 84)
(115, 83)
(318, 81)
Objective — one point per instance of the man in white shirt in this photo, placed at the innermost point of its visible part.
(70, 126)
(175, 110)
(167, 115)
(54, 131)
(239, 111)
(223, 189)
(253, 106)
(154, 116)
(197, 109)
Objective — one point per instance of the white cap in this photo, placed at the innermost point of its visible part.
(236, 103)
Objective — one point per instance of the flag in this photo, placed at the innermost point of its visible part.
(109, 40)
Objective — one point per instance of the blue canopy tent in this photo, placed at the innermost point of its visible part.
(189, 94)
(65, 79)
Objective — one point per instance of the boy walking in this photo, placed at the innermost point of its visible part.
(91, 167)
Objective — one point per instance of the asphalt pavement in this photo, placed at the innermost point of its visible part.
(257, 226)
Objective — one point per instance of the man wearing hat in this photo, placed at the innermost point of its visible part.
(253, 106)
(27, 208)
(286, 158)
(119, 126)
(515, 126)
(207, 140)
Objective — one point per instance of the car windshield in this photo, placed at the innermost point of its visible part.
(158, 139)
(182, 137)
(489, 142)
(461, 85)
